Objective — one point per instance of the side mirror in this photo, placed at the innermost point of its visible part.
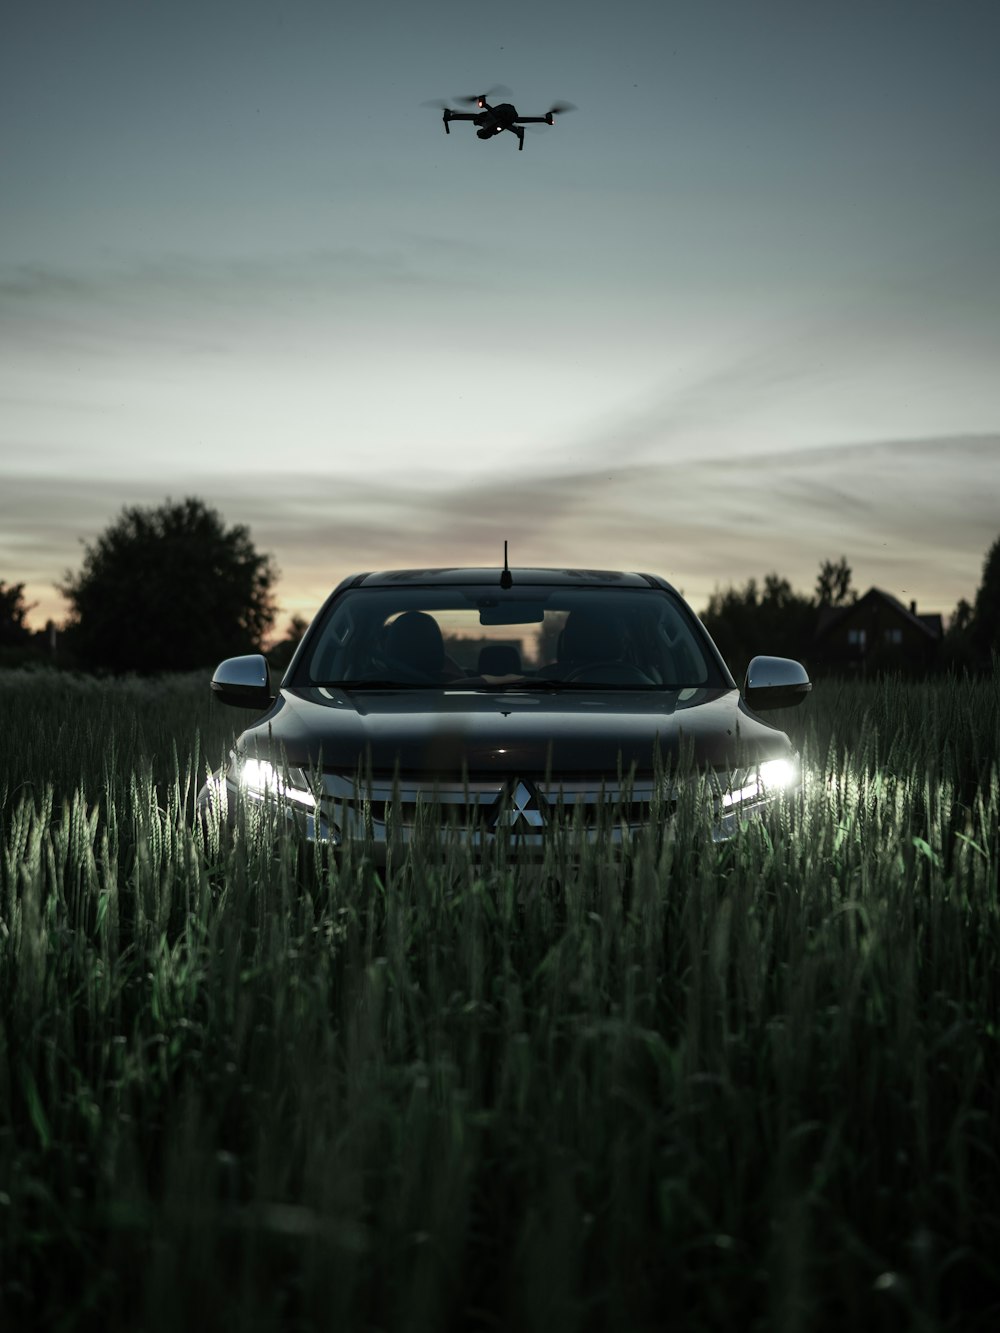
(243, 682)
(775, 682)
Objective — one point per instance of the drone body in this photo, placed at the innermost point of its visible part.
(492, 120)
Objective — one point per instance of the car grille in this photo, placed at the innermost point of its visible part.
(487, 810)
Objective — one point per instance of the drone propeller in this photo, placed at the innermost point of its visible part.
(498, 90)
(558, 109)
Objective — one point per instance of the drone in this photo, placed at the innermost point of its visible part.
(490, 120)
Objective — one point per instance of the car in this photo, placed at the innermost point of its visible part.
(498, 705)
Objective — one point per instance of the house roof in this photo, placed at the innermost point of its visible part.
(830, 616)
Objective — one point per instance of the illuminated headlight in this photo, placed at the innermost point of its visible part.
(259, 777)
(778, 775)
(766, 779)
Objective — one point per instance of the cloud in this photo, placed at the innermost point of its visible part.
(279, 278)
(913, 516)
(215, 307)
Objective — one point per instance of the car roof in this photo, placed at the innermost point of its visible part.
(595, 578)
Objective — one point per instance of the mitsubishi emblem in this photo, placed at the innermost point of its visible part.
(522, 807)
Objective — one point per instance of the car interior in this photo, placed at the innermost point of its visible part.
(441, 636)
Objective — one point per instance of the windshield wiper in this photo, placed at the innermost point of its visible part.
(373, 684)
(542, 684)
(550, 685)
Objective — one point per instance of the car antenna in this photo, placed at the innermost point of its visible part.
(506, 578)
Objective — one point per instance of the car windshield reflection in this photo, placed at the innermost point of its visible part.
(535, 639)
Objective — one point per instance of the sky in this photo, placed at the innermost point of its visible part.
(737, 313)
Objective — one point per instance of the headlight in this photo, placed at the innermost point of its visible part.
(754, 783)
(259, 778)
(778, 775)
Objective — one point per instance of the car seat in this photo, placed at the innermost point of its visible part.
(499, 659)
(414, 640)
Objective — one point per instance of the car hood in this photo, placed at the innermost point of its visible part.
(420, 731)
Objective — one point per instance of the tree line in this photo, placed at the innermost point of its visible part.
(172, 588)
(771, 617)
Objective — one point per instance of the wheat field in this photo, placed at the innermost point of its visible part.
(750, 1085)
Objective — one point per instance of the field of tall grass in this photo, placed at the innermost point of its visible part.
(753, 1085)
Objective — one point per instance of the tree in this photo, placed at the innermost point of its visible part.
(747, 621)
(961, 618)
(833, 583)
(957, 652)
(169, 588)
(14, 633)
(280, 653)
(984, 624)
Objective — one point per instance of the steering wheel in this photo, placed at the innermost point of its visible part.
(609, 672)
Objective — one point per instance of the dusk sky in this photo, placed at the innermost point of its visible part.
(740, 312)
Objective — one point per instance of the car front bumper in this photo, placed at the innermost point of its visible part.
(521, 816)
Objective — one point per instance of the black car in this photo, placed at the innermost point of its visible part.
(500, 704)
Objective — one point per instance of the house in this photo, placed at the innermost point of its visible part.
(876, 633)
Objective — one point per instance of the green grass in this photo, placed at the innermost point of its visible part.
(754, 1085)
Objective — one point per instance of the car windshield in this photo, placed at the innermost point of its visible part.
(530, 637)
